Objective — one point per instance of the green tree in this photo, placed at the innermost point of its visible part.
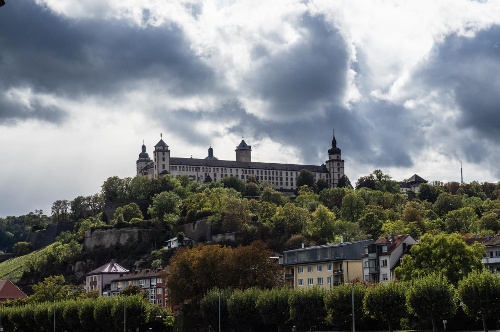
(272, 196)
(307, 307)
(274, 307)
(60, 210)
(427, 192)
(338, 303)
(447, 202)
(289, 219)
(461, 220)
(432, 297)
(22, 248)
(115, 188)
(332, 197)
(53, 288)
(385, 302)
(242, 308)
(234, 182)
(344, 182)
(353, 207)
(141, 187)
(480, 294)
(134, 290)
(165, 207)
(215, 303)
(321, 225)
(446, 254)
(128, 212)
(252, 189)
(306, 178)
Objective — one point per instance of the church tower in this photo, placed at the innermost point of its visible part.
(244, 152)
(161, 158)
(335, 164)
(144, 163)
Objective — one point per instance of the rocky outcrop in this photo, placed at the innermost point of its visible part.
(107, 238)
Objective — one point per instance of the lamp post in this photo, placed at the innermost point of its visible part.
(219, 311)
(352, 305)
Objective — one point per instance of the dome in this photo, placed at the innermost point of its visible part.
(210, 154)
(334, 149)
(143, 154)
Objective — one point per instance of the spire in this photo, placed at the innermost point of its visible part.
(334, 149)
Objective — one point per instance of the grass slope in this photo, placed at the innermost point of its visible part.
(13, 268)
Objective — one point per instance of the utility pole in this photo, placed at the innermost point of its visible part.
(352, 304)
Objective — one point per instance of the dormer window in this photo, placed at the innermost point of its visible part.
(384, 248)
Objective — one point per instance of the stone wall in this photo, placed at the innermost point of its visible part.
(199, 231)
(107, 238)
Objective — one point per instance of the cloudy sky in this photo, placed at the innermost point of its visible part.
(409, 87)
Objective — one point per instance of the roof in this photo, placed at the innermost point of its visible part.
(494, 241)
(10, 291)
(186, 238)
(141, 274)
(161, 143)
(393, 241)
(111, 267)
(245, 165)
(243, 146)
(416, 179)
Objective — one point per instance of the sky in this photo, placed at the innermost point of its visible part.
(408, 86)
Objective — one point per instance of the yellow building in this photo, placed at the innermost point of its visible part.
(324, 266)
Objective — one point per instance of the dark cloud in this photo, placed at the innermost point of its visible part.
(12, 112)
(51, 54)
(307, 75)
(467, 69)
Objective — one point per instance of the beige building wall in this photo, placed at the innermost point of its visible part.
(323, 274)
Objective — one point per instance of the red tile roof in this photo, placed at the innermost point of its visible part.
(9, 291)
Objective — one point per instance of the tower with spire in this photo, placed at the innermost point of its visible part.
(144, 164)
(161, 158)
(244, 152)
(335, 164)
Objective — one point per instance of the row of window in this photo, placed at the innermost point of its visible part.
(319, 281)
(319, 268)
(371, 263)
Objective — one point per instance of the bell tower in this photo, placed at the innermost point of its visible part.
(335, 164)
(161, 158)
(244, 152)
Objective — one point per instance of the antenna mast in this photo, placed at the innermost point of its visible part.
(461, 173)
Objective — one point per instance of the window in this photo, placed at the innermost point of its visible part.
(320, 281)
(300, 269)
(309, 268)
(319, 268)
(497, 253)
(384, 277)
(384, 248)
(159, 290)
(300, 282)
(329, 266)
(310, 281)
(384, 263)
(328, 280)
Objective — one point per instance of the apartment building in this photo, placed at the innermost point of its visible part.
(150, 280)
(323, 266)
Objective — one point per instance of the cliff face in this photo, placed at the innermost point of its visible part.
(107, 238)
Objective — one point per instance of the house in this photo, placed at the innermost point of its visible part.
(150, 280)
(282, 177)
(101, 277)
(412, 184)
(383, 256)
(9, 291)
(323, 266)
(174, 243)
(492, 259)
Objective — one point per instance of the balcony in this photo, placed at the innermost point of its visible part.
(338, 271)
(373, 269)
(491, 260)
(289, 275)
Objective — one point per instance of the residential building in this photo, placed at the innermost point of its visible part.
(383, 256)
(492, 259)
(101, 277)
(324, 266)
(150, 280)
(9, 291)
(282, 176)
(174, 243)
(412, 184)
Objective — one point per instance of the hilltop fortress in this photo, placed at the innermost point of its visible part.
(283, 177)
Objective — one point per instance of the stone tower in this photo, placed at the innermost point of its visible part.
(244, 152)
(335, 164)
(161, 158)
(144, 164)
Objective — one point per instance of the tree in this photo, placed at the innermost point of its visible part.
(115, 188)
(461, 220)
(386, 302)
(53, 288)
(141, 187)
(447, 202)
(272, 196)
(480, 294)
(165, 207)
(307, 307)
(344, 182)
(242, 308)
(338, 304)
(60, 210)
(235, 183)
(130, 290)
(366, 182)
(252, 189)
(446, 254)
(274, 307)
(236, 214)
(215, 303)
(432, 297)
(353, 207)
(306, 178)
(21, 248)
(427, 192)
(322, 224)
(307, 198)
(128, 212)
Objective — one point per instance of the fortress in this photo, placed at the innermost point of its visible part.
(283, 177)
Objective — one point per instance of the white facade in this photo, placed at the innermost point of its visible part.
(281, 176)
